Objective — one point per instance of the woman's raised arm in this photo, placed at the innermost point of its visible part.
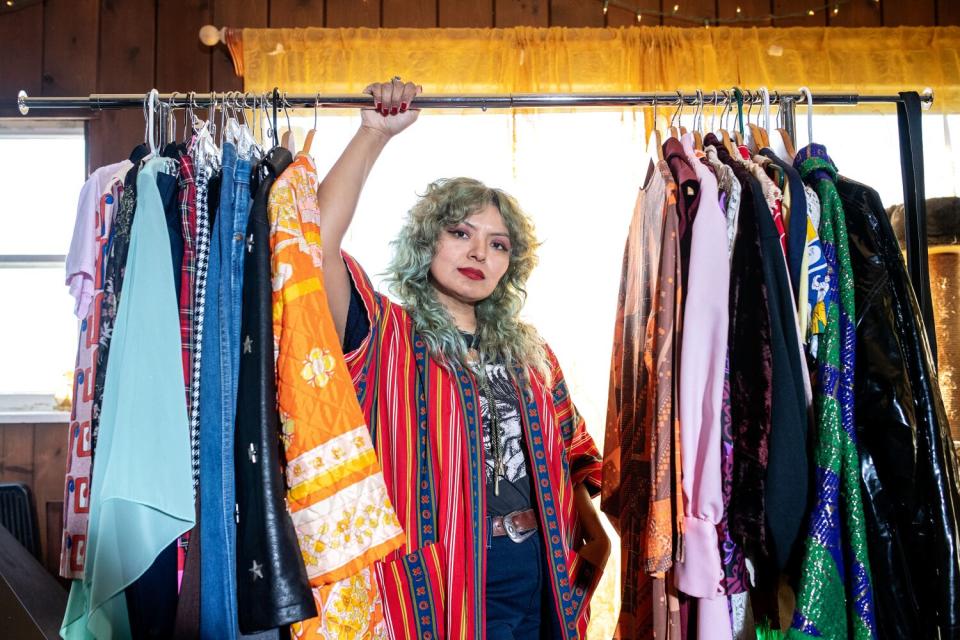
(340, 190)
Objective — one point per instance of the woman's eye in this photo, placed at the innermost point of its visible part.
(458, 233)
(499, 246)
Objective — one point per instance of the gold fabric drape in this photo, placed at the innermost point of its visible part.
(636, 59)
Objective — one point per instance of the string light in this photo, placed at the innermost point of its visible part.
(833, 6)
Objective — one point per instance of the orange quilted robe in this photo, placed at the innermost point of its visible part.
(335, 489)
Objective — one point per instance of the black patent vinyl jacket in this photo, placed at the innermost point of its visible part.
(907, 463)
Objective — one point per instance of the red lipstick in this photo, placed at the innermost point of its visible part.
(473, 274)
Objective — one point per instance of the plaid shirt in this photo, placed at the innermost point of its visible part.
(187, 198)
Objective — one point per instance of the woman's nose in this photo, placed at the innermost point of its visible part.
(478, 251)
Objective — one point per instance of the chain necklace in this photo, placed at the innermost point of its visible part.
(496, 430)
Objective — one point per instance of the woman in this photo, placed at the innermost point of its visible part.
(492, 495)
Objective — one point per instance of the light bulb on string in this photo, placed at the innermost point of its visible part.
(639, 17)
(738, 11)
(606, 6)
(836, 9)
(676, 8)
(811, 12)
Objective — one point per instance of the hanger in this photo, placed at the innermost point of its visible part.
(756, 136)
(674, 132)
(789, 152)
(658, 138)
(289, 140)
(738, 123)
(189, 118)
(151, 103)
(212, 114)
(765, 130)
(683, 129)
(204, 149)
(804, 91)
(247, 146)
(698, 122)
(273, 131)
(713, 112)
(161, 124)
(309, 139)
(724, 129)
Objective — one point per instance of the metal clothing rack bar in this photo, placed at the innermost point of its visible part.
(909, 105)
(99, 101)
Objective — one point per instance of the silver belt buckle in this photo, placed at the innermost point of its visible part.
(512, 532)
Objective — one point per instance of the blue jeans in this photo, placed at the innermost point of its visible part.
(519, 605)
(218, 402)
(218, 576)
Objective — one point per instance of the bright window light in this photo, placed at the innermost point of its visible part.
(577, 175)
(42, 168)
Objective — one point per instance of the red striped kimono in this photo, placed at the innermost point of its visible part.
(426, 429)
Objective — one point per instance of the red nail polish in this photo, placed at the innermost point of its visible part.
(403, 107)
(384, 111)
(393, 111)
(378, 107)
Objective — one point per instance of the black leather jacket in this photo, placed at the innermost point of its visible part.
(272, 586)
(907, 464)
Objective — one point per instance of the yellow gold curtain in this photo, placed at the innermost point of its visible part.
(558, 60)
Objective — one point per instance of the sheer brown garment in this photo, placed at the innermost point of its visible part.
(638, 473)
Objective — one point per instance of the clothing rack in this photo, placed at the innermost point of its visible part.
(909, 105)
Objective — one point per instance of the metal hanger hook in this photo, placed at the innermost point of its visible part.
(805, 91)
(725, 114)
(765, 95)
(286, 114)
(713, 112)
(698, 119)
(152, 99)
(678, 114)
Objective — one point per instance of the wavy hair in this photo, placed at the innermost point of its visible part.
(501, 335)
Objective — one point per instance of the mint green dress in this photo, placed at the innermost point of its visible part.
(141, 492)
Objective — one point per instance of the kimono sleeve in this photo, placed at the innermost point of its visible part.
(582, 452)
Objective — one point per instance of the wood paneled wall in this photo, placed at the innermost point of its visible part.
(36, 454)
(77, 47)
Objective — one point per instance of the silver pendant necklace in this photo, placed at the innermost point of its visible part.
(480, 370)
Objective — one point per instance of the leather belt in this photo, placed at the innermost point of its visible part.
(519, 525)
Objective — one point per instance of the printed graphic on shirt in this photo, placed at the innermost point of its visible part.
(514, 486)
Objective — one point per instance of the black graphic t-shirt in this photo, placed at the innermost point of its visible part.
(515, 487)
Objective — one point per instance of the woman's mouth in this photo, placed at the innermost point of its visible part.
(473, 274)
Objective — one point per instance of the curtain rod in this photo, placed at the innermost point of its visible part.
(99, 101)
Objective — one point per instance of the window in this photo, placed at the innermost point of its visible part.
(42, 167)
(577, 175)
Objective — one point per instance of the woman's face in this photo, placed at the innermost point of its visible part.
(471, 257)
